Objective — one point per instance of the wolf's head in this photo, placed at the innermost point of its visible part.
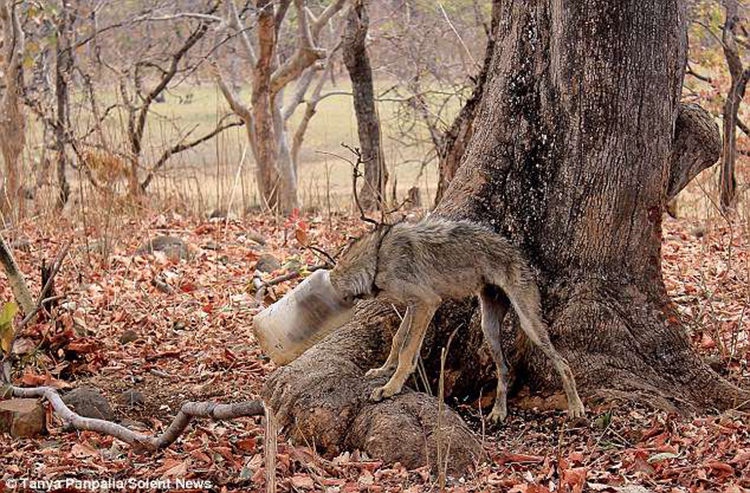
(354, 274)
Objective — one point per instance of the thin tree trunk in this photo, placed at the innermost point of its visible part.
(357, 62)
(12, 119)
(739, 78)
(266, 152)
(572, 158)
(63, 67)
(285, 164)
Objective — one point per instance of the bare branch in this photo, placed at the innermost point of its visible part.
(188, 411)
(307, 53)
(15, 278)
(233, 21)
(325, 16)
(184, 146)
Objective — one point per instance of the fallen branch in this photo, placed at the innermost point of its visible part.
(15, 278)
(140, 441)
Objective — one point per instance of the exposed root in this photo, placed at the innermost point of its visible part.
(140, 441)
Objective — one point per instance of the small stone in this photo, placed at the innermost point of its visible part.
(255, 237)
(22, 418)
(698, 231)
(267, 263)
(211, 245)
(89, 402)
(132, 398)
(21, 244)
(218, 214)
(133, 424)
(128, 336)
(174, 248)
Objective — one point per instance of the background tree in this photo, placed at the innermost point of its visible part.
(572, 158)
(739, 76)
(12, 118)
(357, 63)
(272, 70)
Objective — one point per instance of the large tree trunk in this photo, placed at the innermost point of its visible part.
(577, 145)
(357, 63)
(12, 119)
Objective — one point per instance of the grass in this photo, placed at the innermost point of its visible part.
(207, 174)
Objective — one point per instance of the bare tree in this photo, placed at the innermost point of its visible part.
(63, 72)
(739, 75)
(266, 117)
(12, 118)
(357, 63)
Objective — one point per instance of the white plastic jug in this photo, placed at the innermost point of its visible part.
(304, 316)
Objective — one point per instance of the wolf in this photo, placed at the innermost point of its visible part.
(421, 264)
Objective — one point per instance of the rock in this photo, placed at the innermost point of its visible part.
(23, 244)
(174, 248)
(267, 263)
(132, 398)
(211, 245)
(698, 231)
(128, 336)
(22, 418)
(218, 214)
(256, 237)
(89, 402)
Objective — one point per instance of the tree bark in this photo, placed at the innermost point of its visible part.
(739, 77)
(63, 67)
(573, 150)
(12, 119)
(266, 152)
(357, 61)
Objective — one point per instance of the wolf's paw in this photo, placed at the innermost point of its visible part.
(384, 392)
(497, 415)
(383, 371)
(576, 409)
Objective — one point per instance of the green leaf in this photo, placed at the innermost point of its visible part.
(8, 312)
(7, 333)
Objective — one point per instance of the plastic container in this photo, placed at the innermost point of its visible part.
(300, 319)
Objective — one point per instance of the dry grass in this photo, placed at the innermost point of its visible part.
(214, 174)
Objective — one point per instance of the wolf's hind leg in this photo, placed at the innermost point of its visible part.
(525, 299)
(494, 305)
(398, 340)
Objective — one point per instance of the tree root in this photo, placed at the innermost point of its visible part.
(140, 441)
(323, 398)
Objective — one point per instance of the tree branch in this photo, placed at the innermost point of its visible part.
(140, 441)
(184, 146)
(233, 21)
(697, 146)
(745, 129)
(15, 278)
(307, 52)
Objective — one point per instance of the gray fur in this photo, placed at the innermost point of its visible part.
(420, 265)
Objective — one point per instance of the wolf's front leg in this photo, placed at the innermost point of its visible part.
(420, 319)
(398, 340)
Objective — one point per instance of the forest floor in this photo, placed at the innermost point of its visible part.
(195, 342)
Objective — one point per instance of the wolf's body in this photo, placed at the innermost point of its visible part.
(420, 265)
